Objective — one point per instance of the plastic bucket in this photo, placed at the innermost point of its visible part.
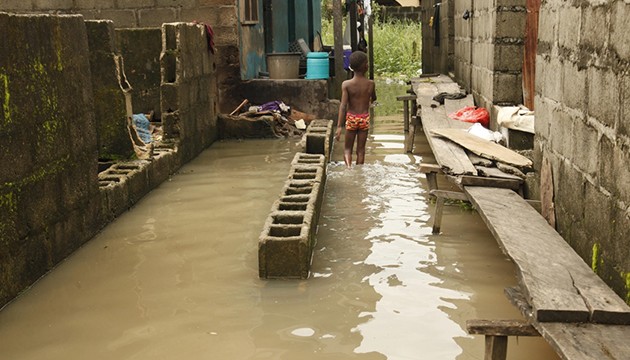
(283, 65)
(317, 65)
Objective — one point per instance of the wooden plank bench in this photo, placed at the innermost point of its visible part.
(560, 296)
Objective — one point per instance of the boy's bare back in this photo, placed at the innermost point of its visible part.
(360, 91)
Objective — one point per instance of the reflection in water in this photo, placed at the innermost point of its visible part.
(176, 276)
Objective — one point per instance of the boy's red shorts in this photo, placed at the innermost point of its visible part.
(357, 121)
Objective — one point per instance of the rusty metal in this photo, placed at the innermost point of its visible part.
(529, 55)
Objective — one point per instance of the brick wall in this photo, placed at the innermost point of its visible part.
(491, 69)
(582, 127)
(220, 14)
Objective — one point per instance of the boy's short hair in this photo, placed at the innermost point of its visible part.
(357, 59)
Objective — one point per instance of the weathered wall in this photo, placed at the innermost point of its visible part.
(402, 13)
(110, 103)
(141, 48)
(582, 127)
(488, 55)
(220, 14)
(48, 156)
(309, 96)
(52, 197)
(188, 88)
(438, 58)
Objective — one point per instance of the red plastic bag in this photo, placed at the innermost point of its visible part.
(472, 114)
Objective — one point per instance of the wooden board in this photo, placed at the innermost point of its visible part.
(559, 285)
(451, 157)
(496, 173)
(427, 88)
(483, 147)
(452, 106)
(501, 328)
(578, 341)
(465, 180)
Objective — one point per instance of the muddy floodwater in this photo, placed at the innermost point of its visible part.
(176, 277)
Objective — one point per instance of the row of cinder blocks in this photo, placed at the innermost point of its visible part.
(319, 138)
(286, 243)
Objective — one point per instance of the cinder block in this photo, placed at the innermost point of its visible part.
(594, 29)
(207, 15)
(508, 88)
(183, 4)
(620, 28)
(510, 24)
(568, 34)
(135, 4)
(308, 159)
(52, 4)
(623, 127)
(553, 78)
(156, 16)
(121, 18)
(508, 58)
(307, 173)
(16, 5)
(561, 133)
(598, 214)
(547, 24)
(603, 99)
(574, 87)
(285, 245)
(585, 141)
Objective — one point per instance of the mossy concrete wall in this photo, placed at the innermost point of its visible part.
(437, 58)
(141, 48)
(220, 14)
(188, 88)
(109, 86)
(52, 197)
(49, 199)
(583, 128)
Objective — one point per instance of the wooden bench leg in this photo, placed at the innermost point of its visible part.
(432, 180)
(496, 347)
(406, 115)
(437, 218)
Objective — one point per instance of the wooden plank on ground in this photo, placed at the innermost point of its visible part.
(559, 285)
(483, 147)
(449, 156)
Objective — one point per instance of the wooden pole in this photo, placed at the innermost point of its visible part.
(371, 45)
(340, 73)
(353, 25)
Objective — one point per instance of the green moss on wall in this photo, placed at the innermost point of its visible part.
(6, 101)
(595, 258)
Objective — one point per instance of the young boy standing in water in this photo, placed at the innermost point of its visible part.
(356, 96)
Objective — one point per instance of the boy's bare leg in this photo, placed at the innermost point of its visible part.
(348, 145)
(362, 136)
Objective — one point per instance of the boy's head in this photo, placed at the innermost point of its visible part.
(358, 61)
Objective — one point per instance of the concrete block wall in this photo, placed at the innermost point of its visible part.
(401, 13)
(49, 199)
(286, 243)
(141, 49)
(188, 89)
(488, 50)
(109, 88)
(582, 127)
(220, 14)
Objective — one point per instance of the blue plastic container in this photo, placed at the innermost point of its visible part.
(317, 65)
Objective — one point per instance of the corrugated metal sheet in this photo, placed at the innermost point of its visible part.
(529, 60)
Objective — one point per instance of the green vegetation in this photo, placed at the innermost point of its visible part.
(397, 47)
(595, 258)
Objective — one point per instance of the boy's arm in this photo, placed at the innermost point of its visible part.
(342, 110)
(373, 91)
